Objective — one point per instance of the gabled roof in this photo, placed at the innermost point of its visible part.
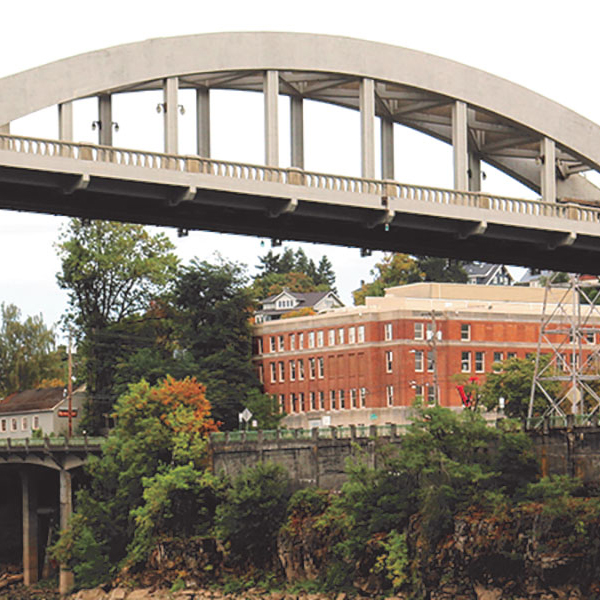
(304, 298)
(477, 269)
(31, 400)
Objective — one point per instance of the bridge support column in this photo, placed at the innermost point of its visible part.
(271, 93)
(170, 109)
(203, 122)
(459, 145)
(367, 127)
(65, 122)
(387, 149)
(105, 127)
(548, 175)
(30, 527)
(66, 508)
(297, 131)
(474, 173)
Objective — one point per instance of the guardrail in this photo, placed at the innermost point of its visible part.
(391, 190)
(51, 443)
(563, 421)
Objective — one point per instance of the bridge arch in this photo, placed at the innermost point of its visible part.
(531, 138)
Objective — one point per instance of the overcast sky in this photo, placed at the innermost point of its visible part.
(549, 46)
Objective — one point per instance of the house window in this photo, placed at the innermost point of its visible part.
(321, 400)
(320, 338)
(311, 339)
(419, 331)
(431, 395)
(273, 372)
(321, 363)
(363, 397)
(419, 361)
(272, 343)
(387, 332)
(340, 335)
(332, 399)
(351, 335)
(259, 344)
(300, 369)
(301, 405)
(293, 407)
(389, 394)
(13, 424)
(510, 355)
(465, 332)
(312, 396)
(361, 334)
(590, 337)
(331, 337)
(498, 357)
(3, 425)
(281, 403)
(479, 362)
(419, 393)
(292, 370)
(389, 356)
(312, 369)
(280, 343)
(465, 362)
(281, 371)
(430, 361)
(300, 341)
(342, 399)
(353, 397)
(292, 341)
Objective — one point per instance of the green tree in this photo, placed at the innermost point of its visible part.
(28, 353)
(111, 271)
(442, 269)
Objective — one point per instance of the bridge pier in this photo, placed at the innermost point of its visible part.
(297, 131)
(30, 527)
(548, 166)
(387, 148)
(203, 122)
(170, 110)
(66, 508)
(460, 145)
(367, 127)
(271, 96)
(65, 122)
(105, 122)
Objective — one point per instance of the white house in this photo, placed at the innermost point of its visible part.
(273, 307)
(45, 410)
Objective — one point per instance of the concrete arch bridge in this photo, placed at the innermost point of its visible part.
(485, 118)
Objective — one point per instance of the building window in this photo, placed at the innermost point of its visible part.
(590, 337)
(387, 332)
(311, 339)
(389, 394)
(498, 357)
(312, 369)
(300, 341)
(430, 361)
(419, 331)
(510, 355)
(261, 373)
(320, 338)
(321, 400)
(351, 335)
(431, 395)
(281, 371)
(389, 356)
(273, 372)
(13, 424)
(363, 397)
(479, 362)
(301, 370)
(419, 393)
(419, 361)
(321, 363)
(301, 405)
(292, 341)
(361, 334)
(259, 345)
(353, 397)
(272, 343)
(311, 396)
(563, 363)
(281, 403)
(331, 337)
(342, 399)
(292, 370)
(332, 400)
(293, 407)
(3, 425)
(465, 362)
(465, 332)
(340, 335)
(280, 343)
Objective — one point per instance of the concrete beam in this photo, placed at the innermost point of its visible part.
(387, 149)
(367, 127)
(5, 128)
(171, 111)
(203, 122)
(459, 145)
(548, 168)
(297, 131)
(271, 97)
(65, 122)
(66, 580)
(105, 127)
(30, 527)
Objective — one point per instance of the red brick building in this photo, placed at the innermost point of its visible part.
(367, 364)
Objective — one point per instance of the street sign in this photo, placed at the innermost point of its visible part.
(246, 415)
(64, 412)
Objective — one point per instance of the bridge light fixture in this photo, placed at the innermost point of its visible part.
(96, 125)
(366, 252)
(276, 242)
(182, 232)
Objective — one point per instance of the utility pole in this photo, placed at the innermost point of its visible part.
(70, 388)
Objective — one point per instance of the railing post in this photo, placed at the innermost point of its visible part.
(86, 152)
(192, 164)
(295, 176)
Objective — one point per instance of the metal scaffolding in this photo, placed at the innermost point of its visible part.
(567, 359)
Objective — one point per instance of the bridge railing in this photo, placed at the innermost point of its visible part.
(51, 443)
(391, 190)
